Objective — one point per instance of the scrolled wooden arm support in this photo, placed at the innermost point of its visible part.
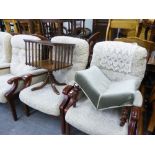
(134, 117)
(15, 82)
(124, 115)
(11, 93)
(67, 89)
(28, 78)
(74, 96)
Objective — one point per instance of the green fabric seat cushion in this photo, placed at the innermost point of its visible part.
(104, 93)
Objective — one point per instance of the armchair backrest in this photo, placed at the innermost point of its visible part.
(80, 57)
(18, 66)
(120, 60)
(5, 47)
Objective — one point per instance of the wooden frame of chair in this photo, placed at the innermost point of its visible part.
(92, 41)
(122, 24)
(8, 22)
(25, 26)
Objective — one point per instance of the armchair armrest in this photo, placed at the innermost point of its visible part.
(18, 82)
(4, 68)
(14, 81)
(34, 77)
(73, 96)
(65, 91)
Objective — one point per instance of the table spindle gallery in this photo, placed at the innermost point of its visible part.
(50, 56)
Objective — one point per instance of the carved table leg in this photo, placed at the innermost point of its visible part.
(54, 88)
(42, 85)
(50, 79)
(56, 82)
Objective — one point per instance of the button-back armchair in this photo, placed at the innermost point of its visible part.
(11, 80)
(80, 112)
(45, 99)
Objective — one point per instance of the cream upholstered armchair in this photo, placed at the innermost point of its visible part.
(11, 80)
(117, 63)
(5, 51)
(45, 99)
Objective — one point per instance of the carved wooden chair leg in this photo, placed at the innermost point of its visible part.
(27, 110)
(67, 126)
(124, 115)
(13, 110)
(134, 118)
(140, 125)
(151, 125)
(62, 122)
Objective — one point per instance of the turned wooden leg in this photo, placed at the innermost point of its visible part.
(27, 110)
(140, 125)
(67, 126)
(62, 123)
(124, 115)
(151, 125)
(13, 110)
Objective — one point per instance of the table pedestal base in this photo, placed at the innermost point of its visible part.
(50, 79)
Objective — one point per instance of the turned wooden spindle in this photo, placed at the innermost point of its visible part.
(58, 56)
(32, 54)
(39, 56)
(26, 53)
(68, 52)
(55, 58)
(36, 55)
(72, 55)
(64, 54)
(29, 52)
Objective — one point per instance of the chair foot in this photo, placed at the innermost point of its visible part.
(62, 123)
(67, 132)
(13, 111)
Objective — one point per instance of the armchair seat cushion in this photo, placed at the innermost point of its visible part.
(103, 92)
(44, 100)
(92, 121)
(4, 86)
